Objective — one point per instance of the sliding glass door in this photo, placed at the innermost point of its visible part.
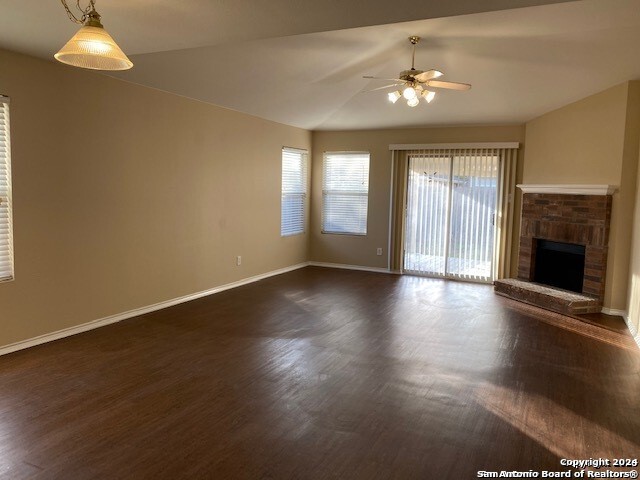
(451, 211)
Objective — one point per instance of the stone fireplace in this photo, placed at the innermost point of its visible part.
(562, 260)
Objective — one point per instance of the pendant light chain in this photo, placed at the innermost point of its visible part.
(85, 12)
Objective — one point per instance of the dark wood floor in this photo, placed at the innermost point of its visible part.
(323, 373)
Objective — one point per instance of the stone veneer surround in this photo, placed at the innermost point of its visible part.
(579, 219)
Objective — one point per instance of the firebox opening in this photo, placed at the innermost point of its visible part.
(559, 264)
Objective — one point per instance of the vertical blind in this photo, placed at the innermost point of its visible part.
(6, 237)
(472, 230)
(427, 213)
(345, 192)
(455, 211)
(294, 191)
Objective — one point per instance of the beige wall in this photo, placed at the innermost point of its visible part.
(633, 299)
(126, 196)
(590, 142)
(361, 250)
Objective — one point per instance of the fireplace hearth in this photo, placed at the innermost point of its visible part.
(563, 251)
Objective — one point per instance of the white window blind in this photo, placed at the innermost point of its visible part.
(345, 192)
(294, 191)
(6, 236)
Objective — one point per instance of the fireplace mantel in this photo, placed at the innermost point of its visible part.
(568, 189)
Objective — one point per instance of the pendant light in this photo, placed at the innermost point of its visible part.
(92, 47)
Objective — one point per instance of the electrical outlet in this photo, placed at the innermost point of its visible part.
(379, 252)
(238, 260)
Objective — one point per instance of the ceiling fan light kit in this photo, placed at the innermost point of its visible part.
(91, 47)
(411, 83)
(409, 93)
(394, 96)
(428, 96)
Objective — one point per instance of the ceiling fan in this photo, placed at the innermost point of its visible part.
(416, 83)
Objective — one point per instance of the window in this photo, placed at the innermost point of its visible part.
(345, 192)
(6, 237)
(294, 191)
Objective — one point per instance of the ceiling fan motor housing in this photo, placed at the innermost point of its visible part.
(409, 75)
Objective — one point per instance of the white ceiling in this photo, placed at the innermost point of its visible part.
(301, 62)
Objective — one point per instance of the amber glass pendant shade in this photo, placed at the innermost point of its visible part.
(93, 48)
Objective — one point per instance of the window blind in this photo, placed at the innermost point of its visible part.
(345, 192)
(294, 191)
(6, 237)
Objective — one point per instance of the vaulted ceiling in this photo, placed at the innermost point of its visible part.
(301, 62)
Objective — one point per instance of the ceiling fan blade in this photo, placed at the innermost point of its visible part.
(382, 88)
(379, 78)
(428, 75)
(449, 85)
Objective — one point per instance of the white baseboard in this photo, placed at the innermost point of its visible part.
(349, 267)
(614, 311)
(67, 332)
